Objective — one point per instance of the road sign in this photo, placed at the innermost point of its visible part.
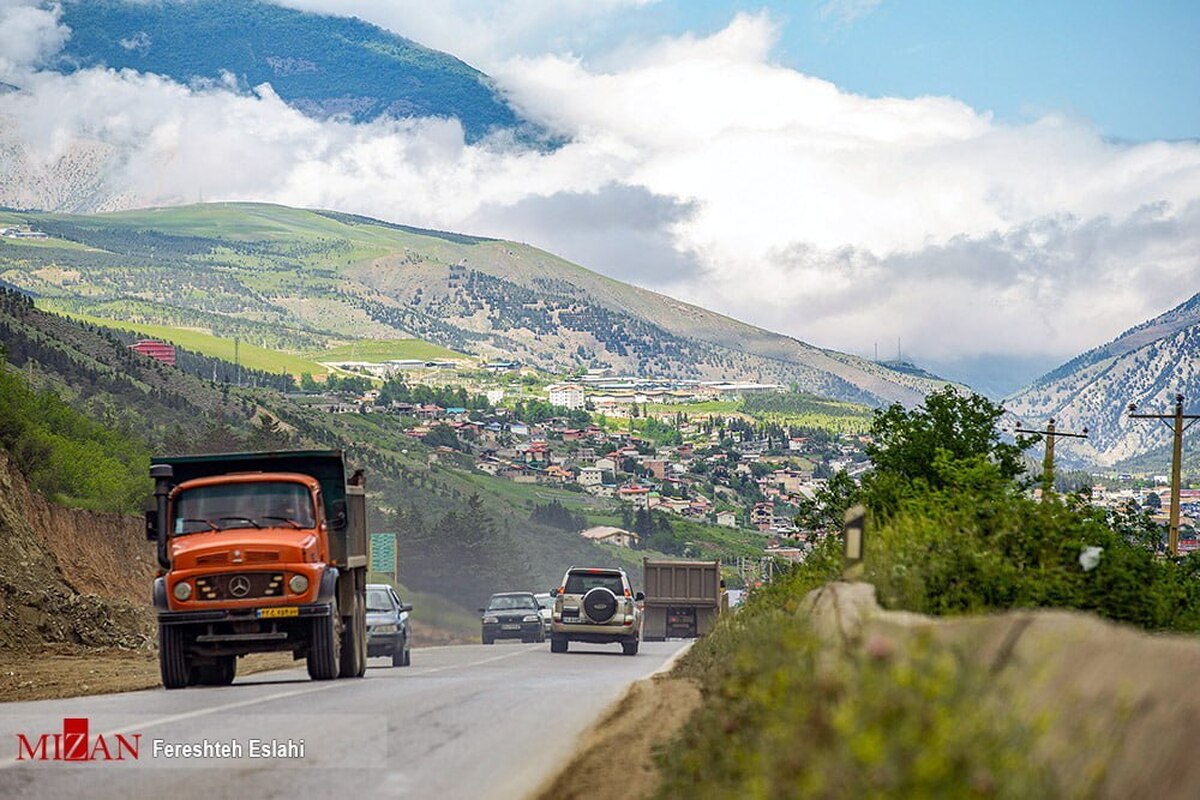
(383, 553)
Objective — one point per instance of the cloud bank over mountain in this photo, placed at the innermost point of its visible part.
(694, 165)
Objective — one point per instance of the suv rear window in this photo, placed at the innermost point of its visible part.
(583, 582)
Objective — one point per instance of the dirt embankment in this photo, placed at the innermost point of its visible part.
(68, 578)
(1117, 707)
(615, 757)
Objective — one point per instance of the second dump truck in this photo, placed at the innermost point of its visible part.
(683, 598)
(258, 552)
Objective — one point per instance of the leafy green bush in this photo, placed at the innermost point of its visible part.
(68, 457)
(978, 544)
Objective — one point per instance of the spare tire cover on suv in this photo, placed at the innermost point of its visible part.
(600, 604)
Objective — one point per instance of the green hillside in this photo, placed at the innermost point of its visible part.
(205, 342)
(368, 350)
(306, 281)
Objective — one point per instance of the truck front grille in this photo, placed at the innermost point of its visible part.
(239, 586)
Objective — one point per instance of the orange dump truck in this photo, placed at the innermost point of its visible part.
(258, 552)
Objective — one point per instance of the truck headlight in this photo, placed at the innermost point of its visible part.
(531, 618)
(183, 590)
(298, 584)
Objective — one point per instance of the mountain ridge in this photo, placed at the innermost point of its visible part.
(284, 272)
(1148, 365)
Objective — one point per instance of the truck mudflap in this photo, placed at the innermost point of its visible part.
(243, 614)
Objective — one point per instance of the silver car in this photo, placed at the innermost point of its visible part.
(545, 602)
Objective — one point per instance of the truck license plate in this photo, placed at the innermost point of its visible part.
(288, 611)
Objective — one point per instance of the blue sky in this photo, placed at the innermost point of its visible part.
(1133, 69)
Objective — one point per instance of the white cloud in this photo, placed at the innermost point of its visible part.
(701, 168)
(29, 31)
(847, 11)
(483, 33)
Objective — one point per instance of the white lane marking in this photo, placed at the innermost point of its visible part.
(475, 663)
(202, 712)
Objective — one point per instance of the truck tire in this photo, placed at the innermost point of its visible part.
(630, 648)
(174, 665)
(558, 644)
(325, 646)
(354, 642)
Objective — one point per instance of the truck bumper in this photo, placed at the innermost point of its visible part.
(241, 615)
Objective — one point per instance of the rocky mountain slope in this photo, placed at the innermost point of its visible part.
(280, 274)
(1147, 365)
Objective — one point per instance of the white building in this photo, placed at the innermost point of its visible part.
(591, 476)
(567, 395)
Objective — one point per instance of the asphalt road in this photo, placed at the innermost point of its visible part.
(472, 721)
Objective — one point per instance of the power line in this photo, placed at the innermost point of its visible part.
(1051, 433)
(1177, 429)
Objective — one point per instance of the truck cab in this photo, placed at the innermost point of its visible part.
(258, 552)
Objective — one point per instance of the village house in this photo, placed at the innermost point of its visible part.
(762, 516)
(591, 476)
(605, 534)
(727, 519)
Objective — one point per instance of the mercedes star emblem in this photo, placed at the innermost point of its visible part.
(239, 586)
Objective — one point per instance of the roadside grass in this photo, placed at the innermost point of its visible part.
(785, 714)
(204, 342)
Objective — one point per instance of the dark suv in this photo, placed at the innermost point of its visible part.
(387, 625)
(596, 606)
(512, 615)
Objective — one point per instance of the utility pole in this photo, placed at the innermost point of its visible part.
(1051, 433)
(1177, 428)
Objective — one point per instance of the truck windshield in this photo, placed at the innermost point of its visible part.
(243, 505)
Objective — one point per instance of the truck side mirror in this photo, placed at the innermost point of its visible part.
(152, 525)
(339, 515)
(640, 596)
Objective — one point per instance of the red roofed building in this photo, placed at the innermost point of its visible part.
(159, 351)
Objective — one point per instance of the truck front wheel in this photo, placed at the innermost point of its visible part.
(173, 662)
(354, 642)
(325, 646)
